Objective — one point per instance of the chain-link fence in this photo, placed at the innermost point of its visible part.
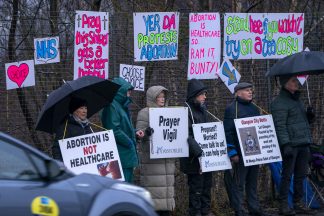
(19, 108)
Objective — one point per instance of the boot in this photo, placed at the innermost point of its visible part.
(285, 210)
(300, 208)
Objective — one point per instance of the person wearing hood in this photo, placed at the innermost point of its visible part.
(240, 177)
(291, 121)
(116, 116)
(76, 124)
(156, 175)
(199, 183)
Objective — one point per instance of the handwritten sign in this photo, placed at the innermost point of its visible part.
(91, 44)
(156, 36)
(20, 74)
(204, 45)
(229, 75)
(262, 35)
(169, 139)
(211, 139)
(46, 50)
(94, 153)
(133, 74)
(258, 140)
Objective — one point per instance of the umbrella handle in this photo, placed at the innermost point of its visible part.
(309, 102)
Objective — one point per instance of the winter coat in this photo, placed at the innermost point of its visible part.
(290, 120)
(190, 165)
(73, 129)
(116, 116)
(156, 175)
(238, 108)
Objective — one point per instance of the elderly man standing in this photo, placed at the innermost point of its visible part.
(240, 177)
(292, 127)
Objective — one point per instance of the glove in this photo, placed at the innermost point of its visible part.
(310, 114)
(149, 131)
(130, 143)
(288, 151)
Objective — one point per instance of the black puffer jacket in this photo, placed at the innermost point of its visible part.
(239, 108)
(73, 129)
(190, 165)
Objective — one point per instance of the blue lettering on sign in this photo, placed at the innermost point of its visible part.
(46, 49)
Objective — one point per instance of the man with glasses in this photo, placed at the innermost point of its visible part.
(240, 177)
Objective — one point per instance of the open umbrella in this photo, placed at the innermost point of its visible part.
(305, 62)
(96, 91)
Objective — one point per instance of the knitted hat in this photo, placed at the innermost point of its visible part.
(76, 103)
(284, 79)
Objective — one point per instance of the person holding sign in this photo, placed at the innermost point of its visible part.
(116, 116)
(240, 177)
(292, 127)
(76, 124)
(199, 183)
(156, 175)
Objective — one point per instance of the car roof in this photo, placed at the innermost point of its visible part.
(21, 144)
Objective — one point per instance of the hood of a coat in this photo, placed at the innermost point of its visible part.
(194, 87)
(152, 94)
(121, 96)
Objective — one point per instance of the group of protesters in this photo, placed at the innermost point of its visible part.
(291, 121)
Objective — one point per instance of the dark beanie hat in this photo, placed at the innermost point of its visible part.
(242, 85)
(284, 79)
(76, 103)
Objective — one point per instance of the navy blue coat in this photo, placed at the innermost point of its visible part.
(238, 108)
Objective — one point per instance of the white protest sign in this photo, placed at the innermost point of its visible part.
(169, 139)
(258, 140)
(211, 139)
(46, 50)
(20, 74)
(204, 45)
(302, 78)
(229, 75)
(262, 35)
(94, 153)
(156, 36)
(133, 74)
(91, 44)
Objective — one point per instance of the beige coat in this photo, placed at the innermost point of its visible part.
(156, 175)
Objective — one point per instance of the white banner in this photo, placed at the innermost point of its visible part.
(169, 139)
(133, 74)
(20, 74)
(94, 153)
(262, 35)
(211, 139)
(204, 45)
(156, 36)
(46, 50)
(91, 44)
(258, 140)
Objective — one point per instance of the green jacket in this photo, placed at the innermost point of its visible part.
(290, 120)
(116, 117)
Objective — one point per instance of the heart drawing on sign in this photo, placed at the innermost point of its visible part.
(18, 74)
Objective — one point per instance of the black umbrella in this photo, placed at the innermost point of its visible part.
(96, 91)
(302, 63)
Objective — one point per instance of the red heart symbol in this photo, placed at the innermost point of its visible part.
(18, 74)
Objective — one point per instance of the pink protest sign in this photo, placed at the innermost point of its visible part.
(262, 35)
(204, 45)
(91, 44)
(20, 74)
